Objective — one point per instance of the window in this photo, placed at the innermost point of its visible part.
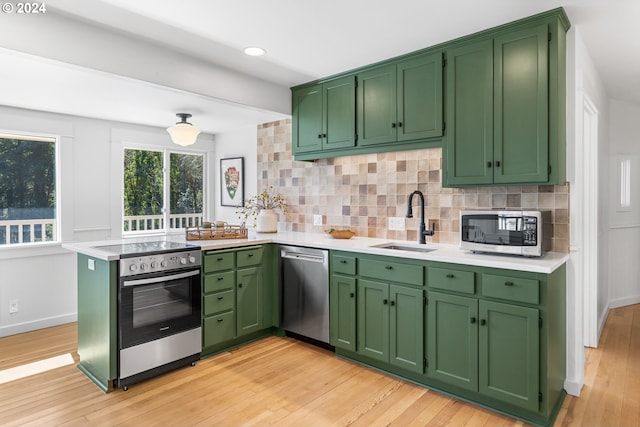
(28, 190)
(149, 204)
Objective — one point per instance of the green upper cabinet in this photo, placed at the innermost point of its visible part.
(324, 116)
(468, 151)
(521, 106)
(505, 102)
(400, 101)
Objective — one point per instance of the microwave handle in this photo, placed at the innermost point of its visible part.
(160, 279)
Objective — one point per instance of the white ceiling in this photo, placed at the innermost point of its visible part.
(308, 39)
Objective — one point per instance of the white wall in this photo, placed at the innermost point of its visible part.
(240, 143)
(624, 227)
(583, 82)
(43, 277)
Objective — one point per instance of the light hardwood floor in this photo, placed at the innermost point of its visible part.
(284, 382)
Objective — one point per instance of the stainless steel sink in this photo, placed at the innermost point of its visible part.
(401, 247)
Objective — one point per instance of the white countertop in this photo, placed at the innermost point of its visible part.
(442, 253)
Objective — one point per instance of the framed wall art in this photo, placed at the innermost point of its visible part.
(232, 182)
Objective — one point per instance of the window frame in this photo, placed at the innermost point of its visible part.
(166, 209)
(57, 226)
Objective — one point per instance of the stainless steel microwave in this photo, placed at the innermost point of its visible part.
(526, 233)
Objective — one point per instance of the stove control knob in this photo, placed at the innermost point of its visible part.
(133, 267)
(154, 264)
(183, 261)
(163, 263)
(143, 266)
(192, 259)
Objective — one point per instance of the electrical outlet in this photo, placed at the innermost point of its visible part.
(91, 264)
(396, 223)
(317, 220)
(13, 306)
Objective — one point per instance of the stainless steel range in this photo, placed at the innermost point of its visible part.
(159, 308)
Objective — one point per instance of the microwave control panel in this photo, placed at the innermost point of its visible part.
(530, 231)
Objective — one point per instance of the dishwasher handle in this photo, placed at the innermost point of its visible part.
(302, 256)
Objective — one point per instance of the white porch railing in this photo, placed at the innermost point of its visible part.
(27, 231)
(136, 223)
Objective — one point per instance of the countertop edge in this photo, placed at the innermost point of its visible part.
(546, 264)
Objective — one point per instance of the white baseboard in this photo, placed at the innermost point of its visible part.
(621, 302)
(573, 387)
(34, 325)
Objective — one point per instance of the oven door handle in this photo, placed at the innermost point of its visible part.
(160, 279)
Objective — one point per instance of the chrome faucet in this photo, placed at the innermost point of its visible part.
(423, 229)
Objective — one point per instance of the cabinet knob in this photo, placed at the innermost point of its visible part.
(392, 303)
(389, 267)
(483, 322)
(220, 298)
(324, 135)
(508, 283)
(239, 285)
(384, 302)
(352, 295)
(393, 125)
(399, 124)
(497, 163)
(220, 320)
(219, 259)
(343, 261)
(249, 255)
(488, 164)
(473, 320)
(450, 276)
(320, 135)
(220, 279)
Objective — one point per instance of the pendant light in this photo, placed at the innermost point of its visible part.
(183, 133)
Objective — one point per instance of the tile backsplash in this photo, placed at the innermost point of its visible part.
(362, 192)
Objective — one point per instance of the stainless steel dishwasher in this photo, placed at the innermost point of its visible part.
(305, 292)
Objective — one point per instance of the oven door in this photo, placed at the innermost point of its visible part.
(153, 306)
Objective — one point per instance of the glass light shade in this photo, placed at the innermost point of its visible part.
(183, 134)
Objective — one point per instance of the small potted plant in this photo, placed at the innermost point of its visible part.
(262, 208)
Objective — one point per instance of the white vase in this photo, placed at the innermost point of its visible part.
(267, 221)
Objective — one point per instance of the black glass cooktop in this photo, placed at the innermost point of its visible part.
(141, 248)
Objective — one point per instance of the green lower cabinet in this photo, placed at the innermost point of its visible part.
(453, 340)
(485, 346)
(406, 331)
(249, 300)
(343, 312)
(509, 353)
(239, 299)
(390, 320)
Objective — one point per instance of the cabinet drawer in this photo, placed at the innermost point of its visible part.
(219, 281)
(219, 328)
(218, 261)
(452, 280)
(249, 257)
(511, 288)
(393, 271)
(344, 264)
(221, 301)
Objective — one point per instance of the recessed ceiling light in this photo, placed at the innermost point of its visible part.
(254, 51)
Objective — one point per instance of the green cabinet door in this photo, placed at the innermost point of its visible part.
(509, 353)
(376, 100)
(373, 319)
(343, 312)
(453, 340)
(307, 119)
(406, 332)
(339, 113)
(521, 106)
(248, 300)
(468, 144)
(419, 97)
